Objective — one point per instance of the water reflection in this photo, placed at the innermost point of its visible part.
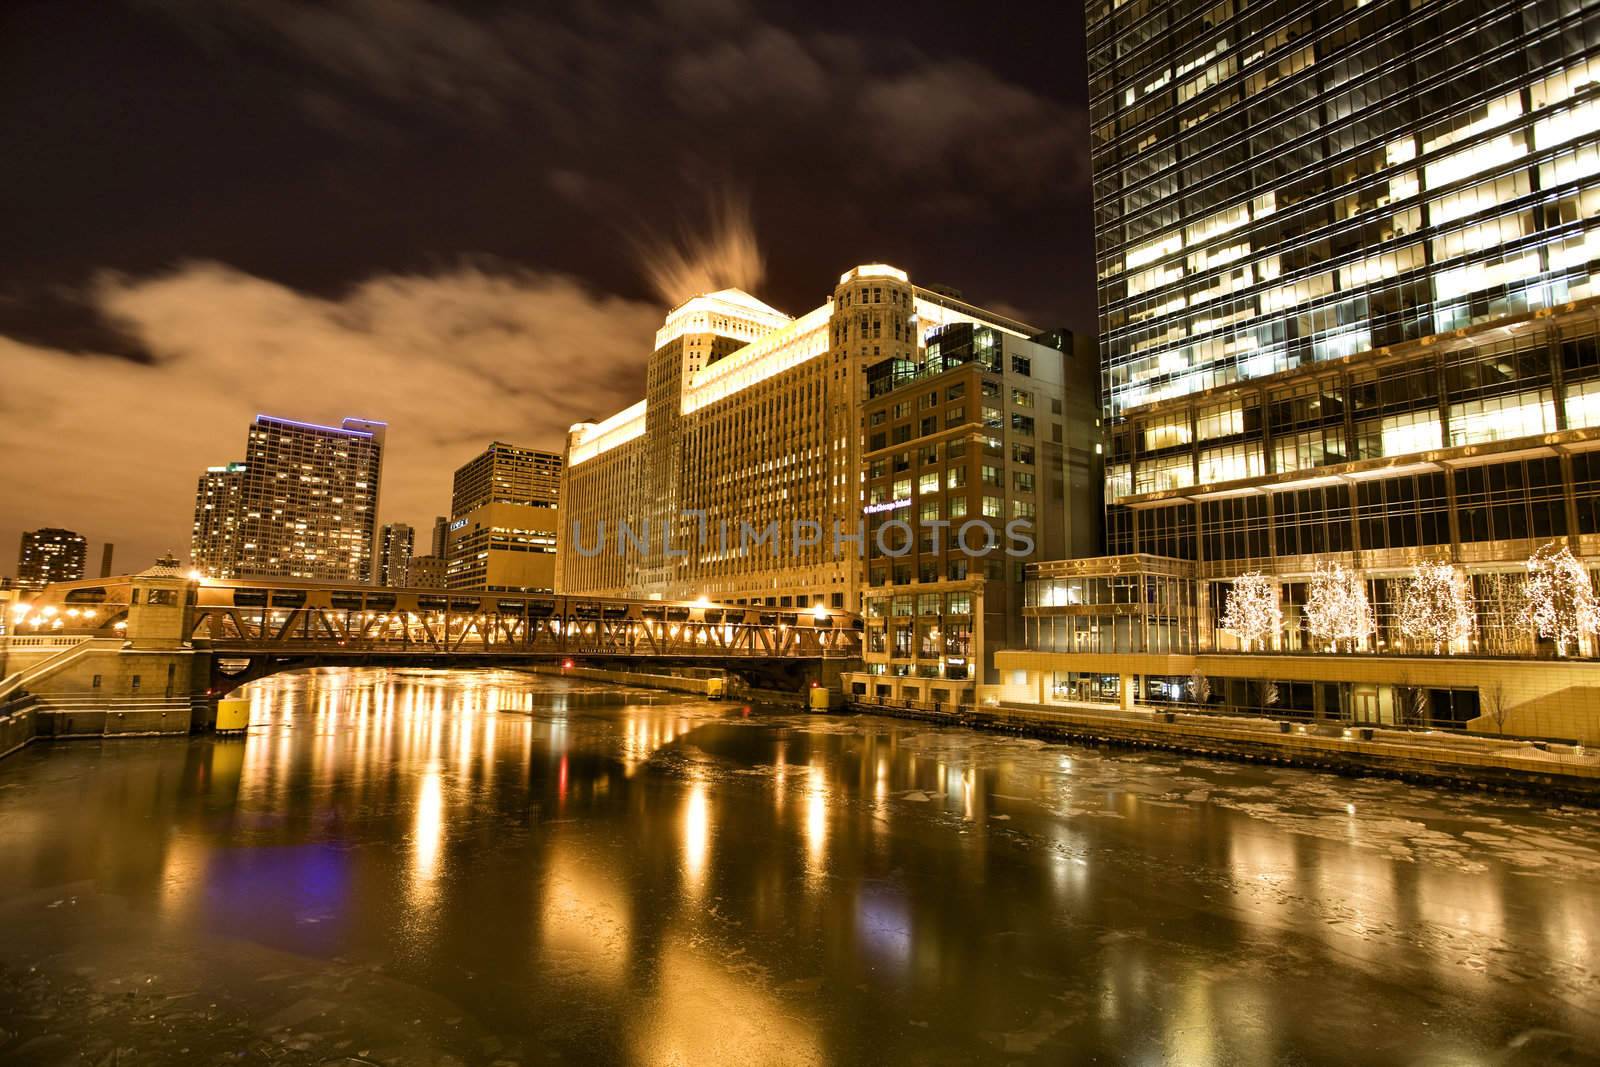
(613, 878)
(696, 837)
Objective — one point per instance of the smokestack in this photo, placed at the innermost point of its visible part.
(105, 559)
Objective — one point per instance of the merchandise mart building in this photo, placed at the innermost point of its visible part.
(1346, 314)
(751, 418)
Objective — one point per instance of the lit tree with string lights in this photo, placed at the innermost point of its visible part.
(1252, 613)
(1561, 602)
(1337, 609)
(1435, 605)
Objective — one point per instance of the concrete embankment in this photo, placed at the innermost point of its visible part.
(1567, 771)
(675, 683)
(701, 685)
(30, 718)
(18, 726)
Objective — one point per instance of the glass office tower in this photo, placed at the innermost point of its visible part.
(1344, 253)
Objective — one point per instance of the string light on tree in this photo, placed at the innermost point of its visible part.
(1435, 605)
(1337, 609)
(1561, 602)
(1252, 613)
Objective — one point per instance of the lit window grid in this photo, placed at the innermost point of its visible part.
(1495, 389)
(1238, 352)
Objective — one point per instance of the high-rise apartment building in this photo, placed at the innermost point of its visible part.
(752, 418)
(50, 555)
(218, 516)
(302, 504)
(503, 528)
(395, 542)
(507, 474)
(1346, 314)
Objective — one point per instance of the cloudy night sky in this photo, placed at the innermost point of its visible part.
(468, 221)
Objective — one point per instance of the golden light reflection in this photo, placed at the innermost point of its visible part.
(1191, 1037)
(182, 876)
(584, 923)
(704, 1014)
(816, 825)
(427, 839)
(696, 837)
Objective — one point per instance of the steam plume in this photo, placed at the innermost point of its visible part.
(720, 255)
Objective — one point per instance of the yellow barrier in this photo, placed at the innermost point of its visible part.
(232, 716)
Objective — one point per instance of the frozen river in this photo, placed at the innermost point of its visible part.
(440, 868)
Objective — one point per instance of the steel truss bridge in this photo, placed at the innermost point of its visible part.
(256, 629)
(252, 628)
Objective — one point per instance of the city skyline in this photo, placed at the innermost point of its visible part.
(524, 248)
(791, 533)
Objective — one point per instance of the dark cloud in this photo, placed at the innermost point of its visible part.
(768, 68)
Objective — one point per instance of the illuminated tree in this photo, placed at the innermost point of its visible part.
(1435, 605)
(1561, 602)
(1252, 613)
(1337, 609)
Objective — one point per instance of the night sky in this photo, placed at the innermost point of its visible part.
(469, 220)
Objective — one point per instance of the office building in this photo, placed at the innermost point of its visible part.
(438, 544)
(751, 418)
(506, 474)
(987, 430)
(50, 555)
(504, 548)
(1346, 315)
(108, 553)
(394, 555)
(302, 504)
(504, 523)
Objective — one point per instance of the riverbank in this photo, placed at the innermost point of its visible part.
(1462, 761)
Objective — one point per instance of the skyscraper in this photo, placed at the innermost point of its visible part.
(50, 555)
(218, 514)
(504, 521)
(506, 474)
(303, 504)
(394, 555)
(1346, 312)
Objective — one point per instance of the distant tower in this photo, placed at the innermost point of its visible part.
(503, 521)
(394, 555)
(107, 552)
(50, 555)
(506, 474)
